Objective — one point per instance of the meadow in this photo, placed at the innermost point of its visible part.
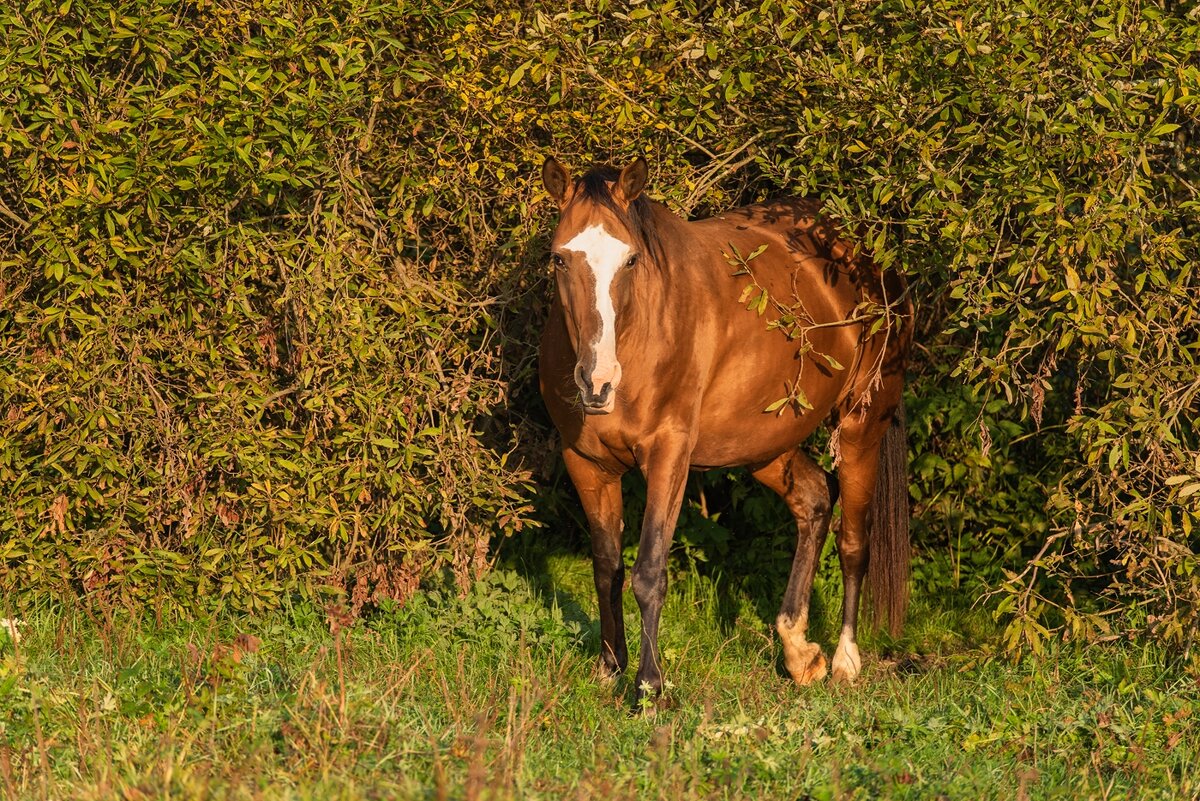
(494, 696)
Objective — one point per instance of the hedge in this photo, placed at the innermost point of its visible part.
(274, 271)
(231, 367)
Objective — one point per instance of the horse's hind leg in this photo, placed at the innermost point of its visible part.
(809, 493)
(600, 495)
(860, 438)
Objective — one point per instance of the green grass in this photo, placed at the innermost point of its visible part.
(494, 696)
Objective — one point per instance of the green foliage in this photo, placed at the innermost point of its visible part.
(230, 363)
(272, 274)
(499, 609)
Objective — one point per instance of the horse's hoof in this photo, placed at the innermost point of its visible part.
(649, 706)
(816, 669)
(846, 678)
(847, 664)
(806, 663)
(648, 699)
(607, 672)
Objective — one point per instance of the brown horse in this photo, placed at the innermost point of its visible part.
(651, 360)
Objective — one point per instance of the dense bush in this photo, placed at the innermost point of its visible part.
(229, 362)
(274, 271)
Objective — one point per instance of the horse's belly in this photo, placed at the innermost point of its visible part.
(735, 440)
(735, 427)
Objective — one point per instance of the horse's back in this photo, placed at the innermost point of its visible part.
(812, 274)
(810, 268)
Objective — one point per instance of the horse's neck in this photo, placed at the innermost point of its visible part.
(671, 292)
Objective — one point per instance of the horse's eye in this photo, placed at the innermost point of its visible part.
(632, 260)
(557, 261)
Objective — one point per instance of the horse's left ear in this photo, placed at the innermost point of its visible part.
(632, 181)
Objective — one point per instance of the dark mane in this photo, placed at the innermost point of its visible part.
(595, 185)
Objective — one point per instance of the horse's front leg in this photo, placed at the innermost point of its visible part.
(600, 494)
(665, 467)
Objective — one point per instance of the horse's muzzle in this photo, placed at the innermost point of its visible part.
(597, 397)
(598, 403)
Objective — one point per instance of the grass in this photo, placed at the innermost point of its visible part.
(494, 696)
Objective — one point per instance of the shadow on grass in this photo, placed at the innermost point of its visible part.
(738, 582)
(531, 560)
(733, 593)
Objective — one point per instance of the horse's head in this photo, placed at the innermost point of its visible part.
(602, 236)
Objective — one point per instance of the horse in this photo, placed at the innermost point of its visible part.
(650, 360)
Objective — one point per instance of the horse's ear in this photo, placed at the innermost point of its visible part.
(632, 181)
(556, 179)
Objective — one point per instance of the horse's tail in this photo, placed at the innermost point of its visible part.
(888, 563)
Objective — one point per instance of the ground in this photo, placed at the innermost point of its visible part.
(494, 696)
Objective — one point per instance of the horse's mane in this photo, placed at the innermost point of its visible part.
(596, 185)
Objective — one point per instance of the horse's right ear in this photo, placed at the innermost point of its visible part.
(556, 180)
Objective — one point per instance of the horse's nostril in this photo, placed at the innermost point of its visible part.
(597, 400)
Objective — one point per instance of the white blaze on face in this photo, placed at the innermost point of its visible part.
(604, 254)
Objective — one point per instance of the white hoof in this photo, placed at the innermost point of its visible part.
(847, 663)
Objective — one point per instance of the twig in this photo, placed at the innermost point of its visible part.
(12, 215)
(717, 172)
(590, 70)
